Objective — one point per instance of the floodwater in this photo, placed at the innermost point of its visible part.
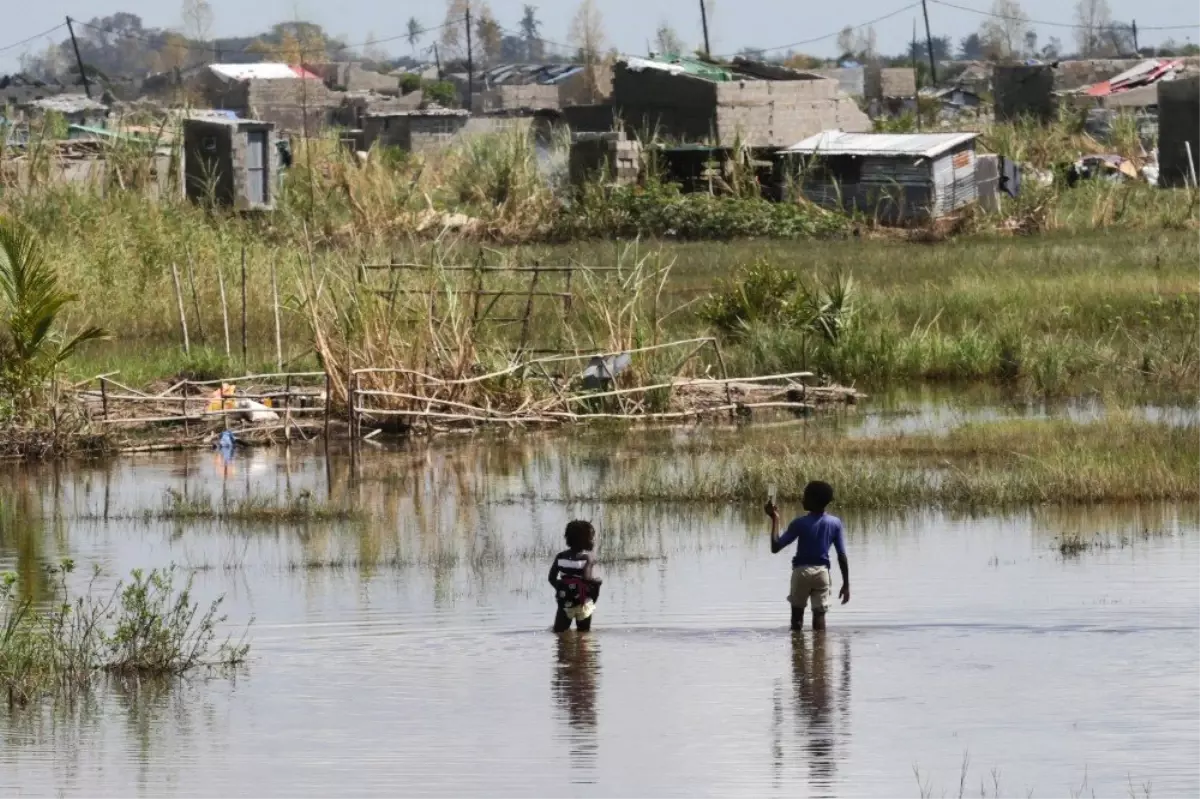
(410, 654)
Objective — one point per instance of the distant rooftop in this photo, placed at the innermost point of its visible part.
(836, 142)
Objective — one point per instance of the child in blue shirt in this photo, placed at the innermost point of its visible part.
(813, 533)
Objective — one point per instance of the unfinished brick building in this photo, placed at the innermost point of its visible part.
(723, 107)
(294, 99)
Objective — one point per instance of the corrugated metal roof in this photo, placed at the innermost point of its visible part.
(836, 142)
(263, 71)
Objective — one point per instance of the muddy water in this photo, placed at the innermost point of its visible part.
(410, 654)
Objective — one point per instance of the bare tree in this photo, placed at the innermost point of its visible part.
(587, 35)
(454, 30)
(666, 40)
(488, 34)
(1004, 33)
(845, 41)
(1093, 17)
(865, 43)
(197, 19)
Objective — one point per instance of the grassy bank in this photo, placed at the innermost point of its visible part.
(1104, 296)
(1118, 459)
(1053, 314)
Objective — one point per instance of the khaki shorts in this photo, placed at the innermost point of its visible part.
(810, 582)
(580, 612)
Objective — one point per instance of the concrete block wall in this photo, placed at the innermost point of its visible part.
(654, 100)
(1023, 90)
(612, 154)
(512, 98)
(294, 105)
(1178, 128)
(781, 113)
(850, 80)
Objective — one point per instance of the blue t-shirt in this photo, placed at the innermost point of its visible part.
(814, 533)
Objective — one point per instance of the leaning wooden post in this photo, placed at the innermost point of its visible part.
(224, 309)
(528, 309)
(187, 347)
(104, 398)
(195, 300)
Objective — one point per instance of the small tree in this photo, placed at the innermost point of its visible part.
(414, 34)
(30, 303)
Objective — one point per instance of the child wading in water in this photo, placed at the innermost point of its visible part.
(575, 587)
(813, 533)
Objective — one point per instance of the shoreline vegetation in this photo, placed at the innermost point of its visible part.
(982, 465)
(144, 628)
(1068, 291)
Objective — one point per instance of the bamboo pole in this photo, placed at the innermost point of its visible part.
(224, 309)
(187, 346)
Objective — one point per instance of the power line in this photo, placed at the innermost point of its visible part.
(1049, 24)
(836, 33)
(7, 47)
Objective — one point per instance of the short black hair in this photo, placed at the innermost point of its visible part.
(580, 534)
(817, 495)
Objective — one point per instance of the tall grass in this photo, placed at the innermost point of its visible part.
(954, 310)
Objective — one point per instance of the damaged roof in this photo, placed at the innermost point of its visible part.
(924, 145)
(263, 71)
(68, 104)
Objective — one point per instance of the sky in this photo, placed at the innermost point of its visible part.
(629, 24)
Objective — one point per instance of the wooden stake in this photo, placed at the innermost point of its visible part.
(328, 403)
(528, 311)
(224, 309)
(187, 346)
(195, 300)
(104, 397)
(278, 332)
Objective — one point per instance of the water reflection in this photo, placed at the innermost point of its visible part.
(574, 679)
(822, 713)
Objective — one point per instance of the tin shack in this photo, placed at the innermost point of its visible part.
(894, 178)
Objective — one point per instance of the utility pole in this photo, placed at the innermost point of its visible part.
(916, 74)
(1136, 49)
(929, 45)
(87, 87)
(704, 25)
(437, 59)
(470, 65)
